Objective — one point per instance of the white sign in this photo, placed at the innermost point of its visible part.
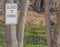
(11, 13)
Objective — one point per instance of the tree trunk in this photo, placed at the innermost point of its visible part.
(21, 22)
(56, 39)
(36, 5)
(48, 23)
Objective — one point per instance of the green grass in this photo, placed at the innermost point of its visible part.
(2, 36)
(34, 37)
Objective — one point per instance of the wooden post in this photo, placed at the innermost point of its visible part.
(48, 23)
(21, 22)
(11, 39)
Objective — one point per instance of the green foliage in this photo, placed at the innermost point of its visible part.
(35, 37)
(2, 36)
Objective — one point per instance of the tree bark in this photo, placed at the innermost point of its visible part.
(21, 22)
(48, 23)
(56, 39)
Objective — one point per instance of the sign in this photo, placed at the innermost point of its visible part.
(11, 13)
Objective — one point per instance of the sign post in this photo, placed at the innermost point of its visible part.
(11, 21)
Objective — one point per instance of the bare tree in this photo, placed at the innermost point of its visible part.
(56, 37)
(21, 22)
(48, 23)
